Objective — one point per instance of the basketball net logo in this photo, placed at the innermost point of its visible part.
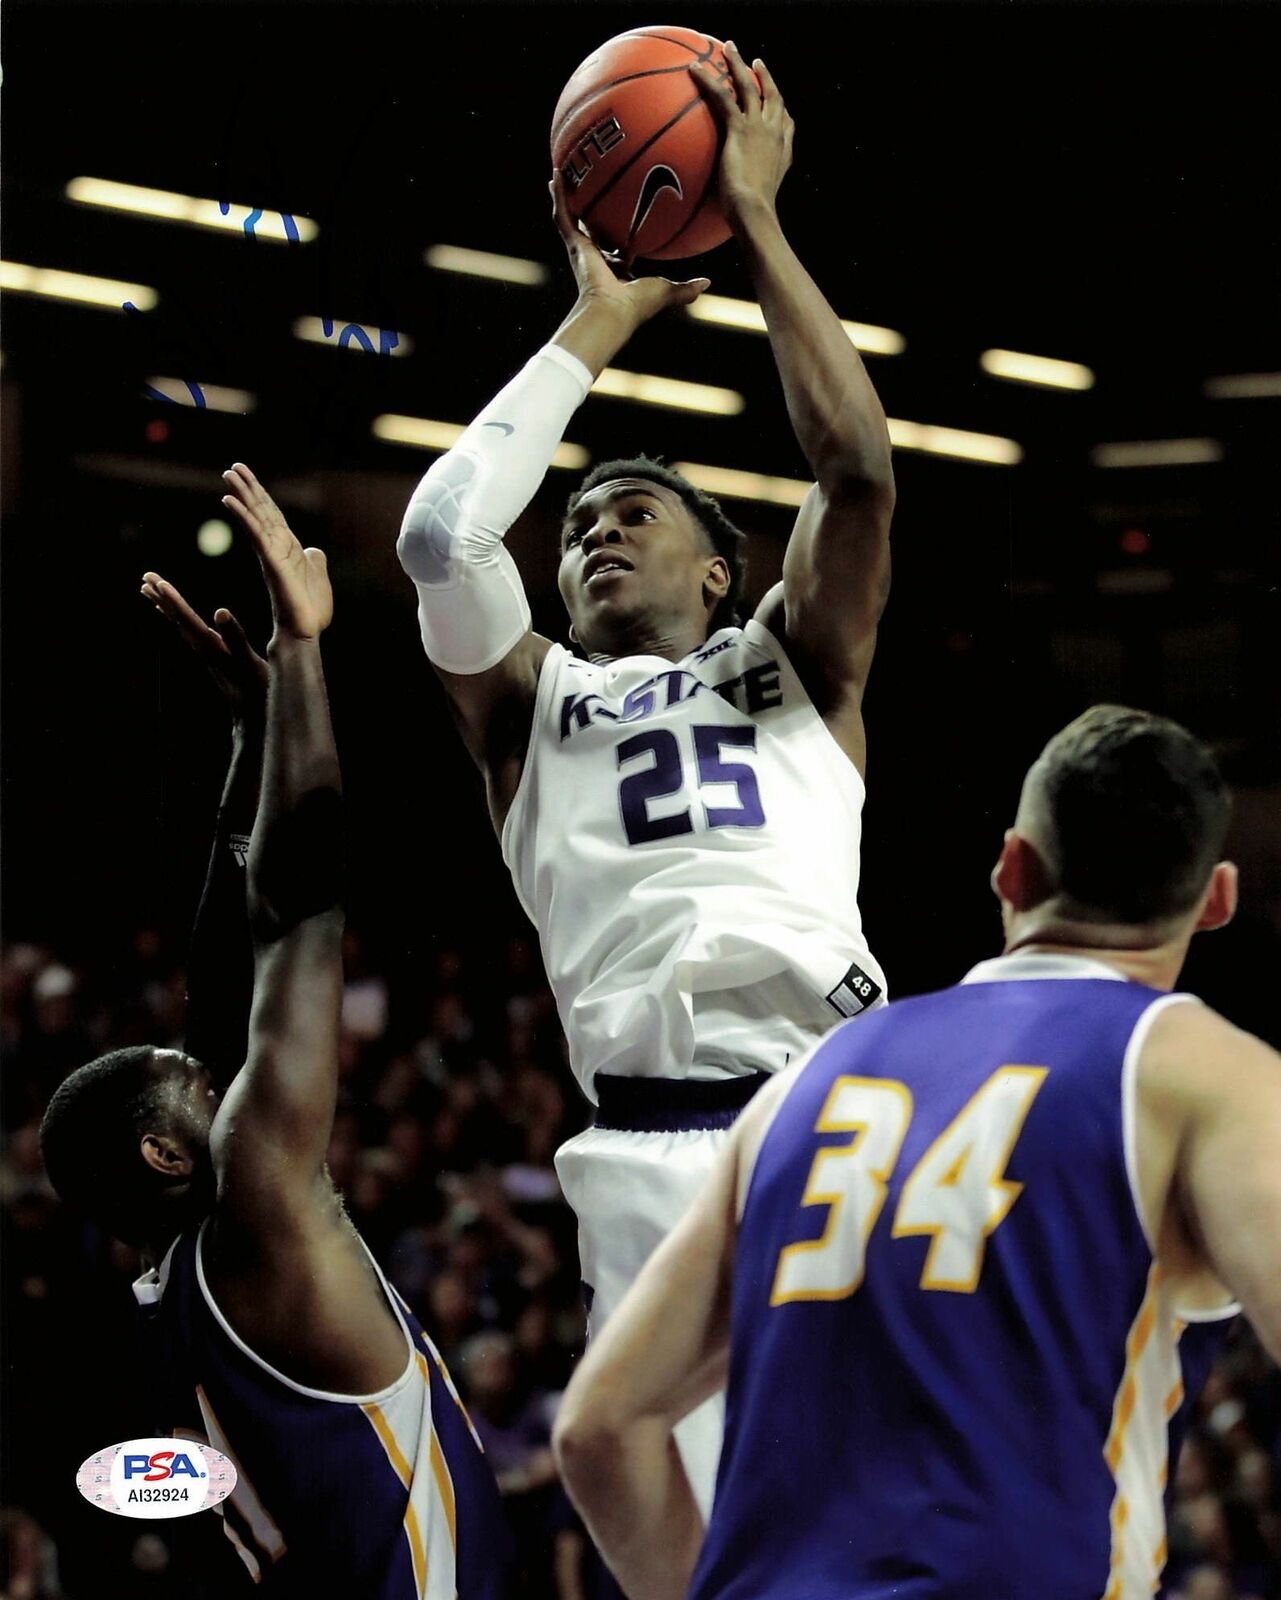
(656, 180)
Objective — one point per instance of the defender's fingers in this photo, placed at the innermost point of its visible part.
(232, 634)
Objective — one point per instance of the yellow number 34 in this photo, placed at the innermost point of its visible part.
(957, 1192)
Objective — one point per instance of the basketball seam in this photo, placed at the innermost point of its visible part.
(683, 44)
(613, 84)
(637, 154)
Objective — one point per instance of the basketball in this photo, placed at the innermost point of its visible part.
(637, 145)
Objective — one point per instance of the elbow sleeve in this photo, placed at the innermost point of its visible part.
(472, 607)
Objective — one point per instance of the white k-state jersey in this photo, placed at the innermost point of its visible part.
(685, 837)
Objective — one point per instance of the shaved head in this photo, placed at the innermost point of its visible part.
(1128, 813)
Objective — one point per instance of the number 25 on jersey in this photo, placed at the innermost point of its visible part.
(957, 1193)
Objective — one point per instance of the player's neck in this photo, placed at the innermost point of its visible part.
(670, 642)
(1127, 950)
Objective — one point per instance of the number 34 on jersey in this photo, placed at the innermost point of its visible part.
(957, 1193)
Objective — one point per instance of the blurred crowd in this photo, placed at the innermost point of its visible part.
(456, 1094)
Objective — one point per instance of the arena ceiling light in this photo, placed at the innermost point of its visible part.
(352, 336)
(213, 396)
(1244, 386)
(425, 434)
(164, 206)
(735, 485)
(51, 284)
(648, 389)
(1157, 453)
(1042, 371)
(932, 440)
(747, 316)
(485, 264)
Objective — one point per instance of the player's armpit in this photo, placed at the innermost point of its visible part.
(494, 713)
(1226, 1085)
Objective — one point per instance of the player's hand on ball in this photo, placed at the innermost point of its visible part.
(233, 663)
(302, 601)
(758, 134)
(634, 300)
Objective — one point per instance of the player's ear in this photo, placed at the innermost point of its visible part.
(573, 637)
(1220, 903)
(716, 581)
(166, 1155)
(1020, 878)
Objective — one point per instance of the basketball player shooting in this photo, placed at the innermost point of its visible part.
(967, 1266)
(680, 804)
(271, 1332)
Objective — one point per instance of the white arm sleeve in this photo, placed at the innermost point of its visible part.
(471, 604)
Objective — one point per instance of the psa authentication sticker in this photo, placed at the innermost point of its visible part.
(156, 1478)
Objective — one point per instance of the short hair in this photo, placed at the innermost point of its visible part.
(1138, 811)
(89, 1138)
(728, 541)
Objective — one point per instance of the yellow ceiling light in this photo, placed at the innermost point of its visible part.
(213, 396)
(1042, 371)
(649, 389)
(747, 316)
(426, 434)
(162, 205)
(352, 336)
(1244, 386)
(485, 264)
(1157, 453)
(736, 485)
(52, 284)
(932, 440)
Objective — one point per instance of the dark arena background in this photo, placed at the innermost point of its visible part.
(1096, 183)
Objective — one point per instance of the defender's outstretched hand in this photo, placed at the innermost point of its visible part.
(758, 134)
(233, 663)
(636, 299)
(302, 601)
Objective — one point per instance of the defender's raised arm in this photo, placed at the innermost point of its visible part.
(274, 1126)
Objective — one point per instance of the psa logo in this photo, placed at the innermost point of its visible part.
(164, 1464)
(156, 1478)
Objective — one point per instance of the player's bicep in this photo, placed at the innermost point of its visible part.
(1229, 1175)
(836, 577)
(272, 1129)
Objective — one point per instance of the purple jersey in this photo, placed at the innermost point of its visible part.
(383, 1496)
(955, 1371)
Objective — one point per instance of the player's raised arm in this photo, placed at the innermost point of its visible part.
(837, 568)
(220, 957)
(268, 1141)
(472, 610)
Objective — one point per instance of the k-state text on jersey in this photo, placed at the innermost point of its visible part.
(755, 690)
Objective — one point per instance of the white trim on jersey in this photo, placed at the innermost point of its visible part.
(1138, 1445)
(1028, 965)
(1129, 1105)
(1130, 1138)
(383, 1395)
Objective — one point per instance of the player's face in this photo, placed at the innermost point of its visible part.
(631, 552)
